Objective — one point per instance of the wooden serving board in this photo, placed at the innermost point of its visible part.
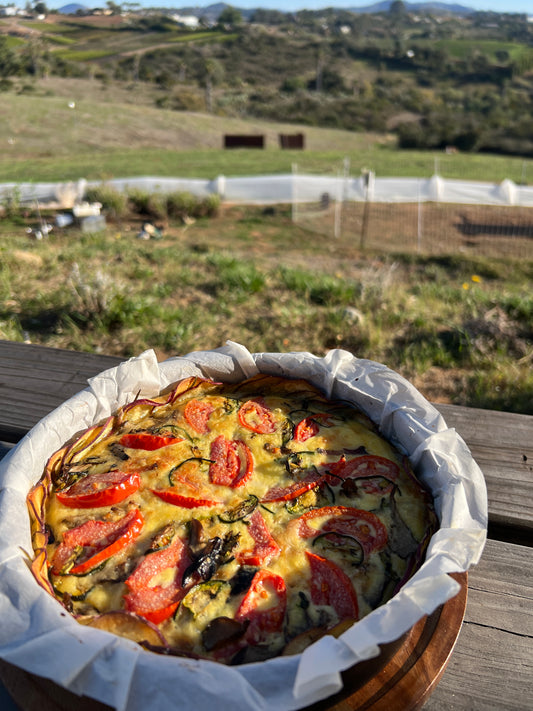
(404, 682)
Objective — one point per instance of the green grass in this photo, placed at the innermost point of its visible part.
(202, 37)
(47, 27)
(462, 49)
(210, 163)
(60, 40)
(460, 328)
(87, 55)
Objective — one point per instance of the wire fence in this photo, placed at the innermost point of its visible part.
(422, 227)
(423, 215)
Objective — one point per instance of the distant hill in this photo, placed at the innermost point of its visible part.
(71, 9)
(437, 8)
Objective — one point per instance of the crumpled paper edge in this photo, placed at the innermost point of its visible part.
(119, 673)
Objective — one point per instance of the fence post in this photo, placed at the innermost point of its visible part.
(343, 195)
(419, 219)
(367, 176)
(339, 200)
(294, 171)
(220, 186)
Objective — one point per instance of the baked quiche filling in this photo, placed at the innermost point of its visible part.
(233, 522)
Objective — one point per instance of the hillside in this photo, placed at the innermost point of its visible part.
(432, 81)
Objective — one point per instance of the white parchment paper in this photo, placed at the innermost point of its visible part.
(37, 634)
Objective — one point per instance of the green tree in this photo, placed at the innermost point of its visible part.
(9, 64)
(230, 17)
(114, 7)
(269, 17)
(397, 9)
(40, 8)
(211, 73)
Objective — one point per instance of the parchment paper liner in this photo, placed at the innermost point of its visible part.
(37, 635)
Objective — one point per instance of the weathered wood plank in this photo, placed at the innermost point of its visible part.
(492, 663)
(502, 445)
(34, 380)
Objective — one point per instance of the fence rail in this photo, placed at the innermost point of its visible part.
(299, 188)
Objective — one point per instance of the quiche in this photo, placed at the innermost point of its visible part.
(230, 522)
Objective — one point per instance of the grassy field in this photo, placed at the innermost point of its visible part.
(64, 129)
(460, 328)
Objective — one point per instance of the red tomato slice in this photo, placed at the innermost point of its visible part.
(265, 547)
(172, 495)
(263, 606)
(231, 462)
(98, 490)
(331, 586)
(147, 441)
(225, 462)
(369, 467)
(364, 526)
(148, 599)
(310, 426)
(286, 493)
(256, 417)
(197, 414)
(246, 463)
(100, 540)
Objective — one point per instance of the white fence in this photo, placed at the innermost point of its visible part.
(295, 188)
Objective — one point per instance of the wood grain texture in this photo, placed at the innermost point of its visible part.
(34, 380)
(502, 445)
(492, 664)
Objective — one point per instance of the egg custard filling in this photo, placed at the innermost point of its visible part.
(231, 522)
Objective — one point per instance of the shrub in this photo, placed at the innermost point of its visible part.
(157, 206)
(114, 202)
(176, 205)
(208, 207)
(139, 201)
(181, 205)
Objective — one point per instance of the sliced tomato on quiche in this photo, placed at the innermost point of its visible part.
(87, 546)
(197, 414)
(297, 488)
(376, 475)
(310, 426)
(232, 462)
(263, 607)
(174, 495)
(331, 586)
(265, 547)
(98, 490)
(147, 441)
(364, 526)
(155, 588)
(257, 417)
